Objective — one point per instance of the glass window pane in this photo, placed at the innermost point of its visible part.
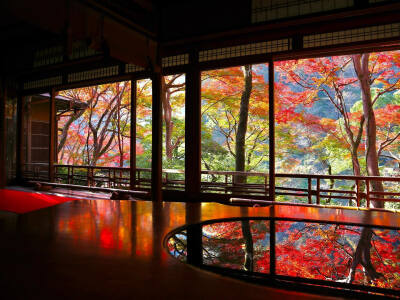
(94, 133)
(338, 115)
(235, 130)
(174, 131)
(144, 100)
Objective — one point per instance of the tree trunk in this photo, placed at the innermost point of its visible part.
(64, 131)
(362, 254)
(361, 67)
(167, 109)
(119, 137)
(242, 125)
(249, 247)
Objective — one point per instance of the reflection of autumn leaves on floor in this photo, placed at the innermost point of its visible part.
(331, 252)
(241, 245)
(340, 253)
(107, 234)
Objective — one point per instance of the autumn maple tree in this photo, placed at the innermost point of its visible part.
(235, 119)
(98, 134)
(352, 90)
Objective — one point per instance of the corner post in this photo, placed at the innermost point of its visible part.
(156, 157)
(193, 128)
(271, 100)
(20, 137)
(52, 135)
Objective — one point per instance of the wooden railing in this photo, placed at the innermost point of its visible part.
(111, 177)
(360, 189)
(297, 188)
(227, 182)
(115, 177)
(37, 171)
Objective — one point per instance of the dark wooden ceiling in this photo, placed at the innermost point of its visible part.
(174, 25)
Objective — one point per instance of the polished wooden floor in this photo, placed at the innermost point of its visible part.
(109, 249)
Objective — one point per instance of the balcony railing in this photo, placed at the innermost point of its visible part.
(35, 171)
(344, 190)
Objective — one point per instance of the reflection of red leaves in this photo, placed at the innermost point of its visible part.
(325, 252)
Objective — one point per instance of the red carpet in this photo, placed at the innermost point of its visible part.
(23, 202)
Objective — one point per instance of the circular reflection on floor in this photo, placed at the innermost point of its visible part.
(307, 255)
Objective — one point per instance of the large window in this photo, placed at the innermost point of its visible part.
(94, 133)
(143, 131)
(235, 129)
(173, 103)
(338, 115)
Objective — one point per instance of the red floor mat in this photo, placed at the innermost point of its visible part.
(23, 202)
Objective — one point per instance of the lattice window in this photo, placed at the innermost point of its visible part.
(131, 68)
(268, 10)
(93, 74)
(46, 82)
(176, 60)
(352, 35)
(81, 49)
(48, 56)
(245, 50)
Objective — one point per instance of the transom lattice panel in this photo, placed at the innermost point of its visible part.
(352, 35)
(245, 50)
(177, 60)
(93, 74)
(46, 82)
(55, 54)
(268, 10)
(48, 56)
(81, 49)
(131, 68)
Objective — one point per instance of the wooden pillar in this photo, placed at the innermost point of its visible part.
(193, 129)
(27, 143)
(271, 130)
(52, 134)
(20, 137)
(156, 155)
(3, 128)
(132, 174)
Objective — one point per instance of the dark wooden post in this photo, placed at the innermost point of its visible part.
(3, 142)
(156, 155)
(358, 197)
(20, 137)
(132, 174)
(52, 134)
(368, 192)
(271, 100)
(271, 130)
(193, 129)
